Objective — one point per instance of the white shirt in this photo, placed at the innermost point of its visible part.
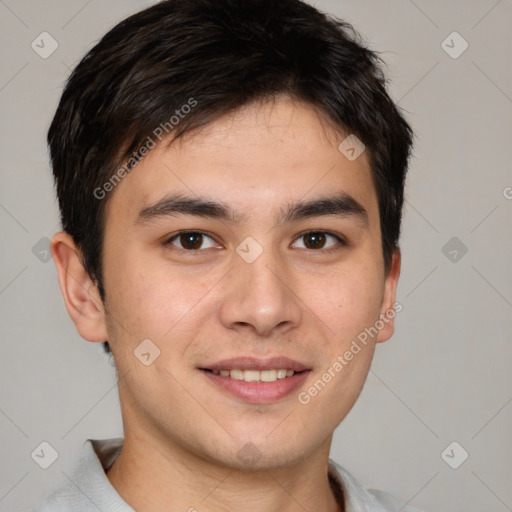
(91, 490)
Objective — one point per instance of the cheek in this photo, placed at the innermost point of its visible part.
(348, 302)
(154, 300)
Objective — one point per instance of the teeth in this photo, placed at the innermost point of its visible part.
(268, 376)
(237, 374)
(252, 375)
(255, 375)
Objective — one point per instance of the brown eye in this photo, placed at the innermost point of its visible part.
(190, 240)
(315, 240)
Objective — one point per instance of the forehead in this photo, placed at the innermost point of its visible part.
(256, 158)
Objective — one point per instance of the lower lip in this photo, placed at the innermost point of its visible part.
(258, 392)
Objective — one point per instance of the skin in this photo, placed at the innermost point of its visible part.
(182, 434)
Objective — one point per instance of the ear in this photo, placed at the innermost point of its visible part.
(387, 312)
(80, 293)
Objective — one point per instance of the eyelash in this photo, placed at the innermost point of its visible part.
(341, 240)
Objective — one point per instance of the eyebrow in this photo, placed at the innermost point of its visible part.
(340, 204)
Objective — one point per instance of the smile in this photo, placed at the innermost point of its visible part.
(256, 386)
(254, 375)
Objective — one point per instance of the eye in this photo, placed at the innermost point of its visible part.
(191, 240)
(318, 240)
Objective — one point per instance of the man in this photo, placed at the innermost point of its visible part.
(230, 177)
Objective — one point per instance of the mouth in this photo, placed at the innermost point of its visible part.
(254, 380)
(270, 375)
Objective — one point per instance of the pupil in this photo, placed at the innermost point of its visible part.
(191, 240)
(316, 239)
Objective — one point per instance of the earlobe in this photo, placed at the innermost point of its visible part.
(387, 313)
(79, 291)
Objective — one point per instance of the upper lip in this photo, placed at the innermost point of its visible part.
(251, 363)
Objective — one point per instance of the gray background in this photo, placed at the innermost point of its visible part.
(445, 375)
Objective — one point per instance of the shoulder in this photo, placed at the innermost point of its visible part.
(61, 500)
(88, 487)
(360, 499)
(391, 503)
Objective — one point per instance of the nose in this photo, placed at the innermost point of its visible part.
(260, 298)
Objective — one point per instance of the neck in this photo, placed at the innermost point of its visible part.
(157, 476)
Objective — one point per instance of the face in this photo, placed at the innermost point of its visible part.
(283, 261)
